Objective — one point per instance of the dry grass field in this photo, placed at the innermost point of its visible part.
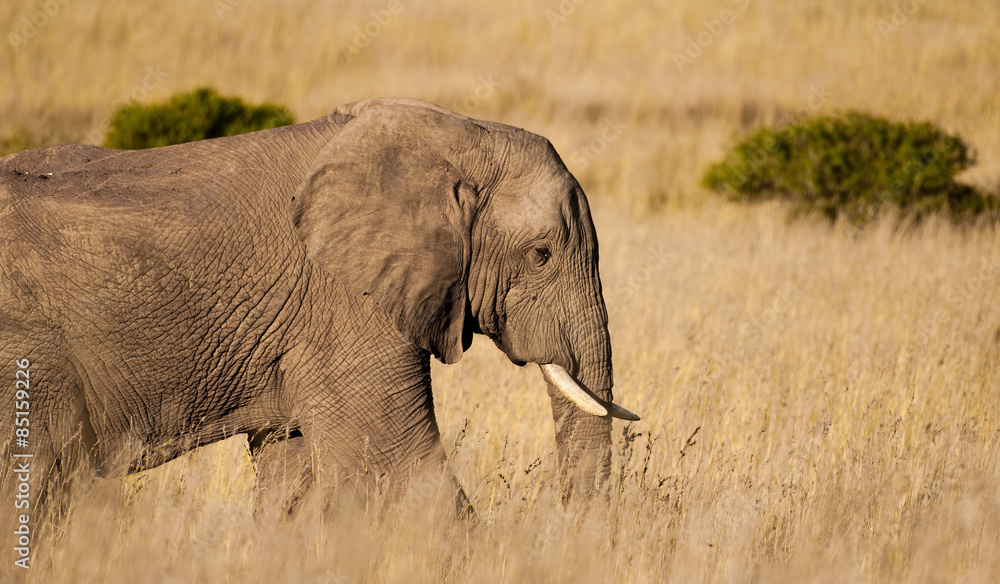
(818, 405)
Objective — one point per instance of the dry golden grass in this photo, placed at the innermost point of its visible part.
(817, 405)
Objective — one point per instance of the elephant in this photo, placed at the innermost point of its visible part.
(292, 285)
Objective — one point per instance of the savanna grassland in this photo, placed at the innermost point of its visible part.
(819, 404)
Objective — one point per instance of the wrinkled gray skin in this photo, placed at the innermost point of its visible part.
(292, 282)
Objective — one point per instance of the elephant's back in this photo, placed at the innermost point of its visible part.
(91, 175)
(52, 159)
(30, 172)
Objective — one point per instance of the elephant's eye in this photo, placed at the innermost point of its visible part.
(540, 255)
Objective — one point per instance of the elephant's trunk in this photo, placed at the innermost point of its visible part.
(583, 440)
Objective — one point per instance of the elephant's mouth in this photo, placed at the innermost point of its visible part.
(582, 398)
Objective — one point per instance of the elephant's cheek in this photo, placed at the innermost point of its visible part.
(530, 333)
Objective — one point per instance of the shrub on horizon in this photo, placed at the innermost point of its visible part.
(197, 115)
(853, 166)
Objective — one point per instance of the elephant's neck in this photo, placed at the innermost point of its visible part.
(283, 157)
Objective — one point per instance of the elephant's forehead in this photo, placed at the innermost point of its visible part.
(535, 205)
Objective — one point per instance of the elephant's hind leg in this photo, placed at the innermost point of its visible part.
(46, 437)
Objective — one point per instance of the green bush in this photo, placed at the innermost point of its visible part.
(197, 115)
(853, 166)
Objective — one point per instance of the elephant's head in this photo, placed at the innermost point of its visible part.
(457, 226)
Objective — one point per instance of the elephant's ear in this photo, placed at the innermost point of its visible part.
(386, 215)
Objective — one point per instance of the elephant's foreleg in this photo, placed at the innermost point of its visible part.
(432, 479)
(367, 421)
(284, 468)
(285, 475)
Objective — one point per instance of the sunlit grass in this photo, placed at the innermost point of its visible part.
(798, 425)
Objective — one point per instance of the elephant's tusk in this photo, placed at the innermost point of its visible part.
(580, 397)
(616, 411)
(564, 383)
